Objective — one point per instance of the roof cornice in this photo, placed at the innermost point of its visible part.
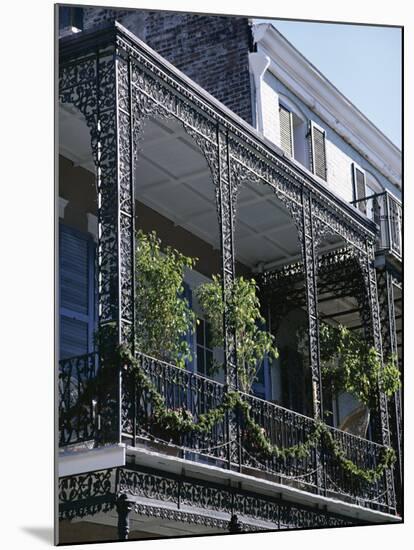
(320, 95)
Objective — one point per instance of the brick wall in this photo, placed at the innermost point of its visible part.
(133, 20)
(211, 50)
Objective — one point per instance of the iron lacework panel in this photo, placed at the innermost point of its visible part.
(118, 83)
(145, 491)
(78, 398)
(388, 282)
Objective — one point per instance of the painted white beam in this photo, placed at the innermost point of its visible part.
(88, 460)
(144, 457)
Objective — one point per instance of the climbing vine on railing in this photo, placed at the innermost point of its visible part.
(244, 319)
(350, 364)
(182, 421)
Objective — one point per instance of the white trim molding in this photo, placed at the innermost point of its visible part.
(306, 82)
(92, 225)
(141, 456)
(62, 205)
(81, 460)
(258, 65)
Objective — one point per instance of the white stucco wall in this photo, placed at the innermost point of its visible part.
(339, 154)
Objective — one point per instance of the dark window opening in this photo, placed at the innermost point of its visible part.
(70, 17)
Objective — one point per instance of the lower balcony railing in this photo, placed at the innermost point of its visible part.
(317, 471)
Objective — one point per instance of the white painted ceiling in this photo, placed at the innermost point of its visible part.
(173, 178)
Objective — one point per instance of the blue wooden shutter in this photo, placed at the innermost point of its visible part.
(77, 292)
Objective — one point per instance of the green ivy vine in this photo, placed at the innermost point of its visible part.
(244, 319)
(350, 364)
(182, 421)
(163, 316)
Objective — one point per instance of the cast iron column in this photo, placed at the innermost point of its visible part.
(225, 195)
(310, 269)
(372, 326)
(124, 507)
(309, 256)
(390, 349)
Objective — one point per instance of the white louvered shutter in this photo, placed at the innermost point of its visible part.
(286, 130)
(318, 149)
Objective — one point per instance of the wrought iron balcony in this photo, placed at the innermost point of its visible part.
(386, 211)
(318, 472)
(117, 83)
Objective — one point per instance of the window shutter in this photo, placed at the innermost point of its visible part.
(359, 188)
(77, 296)
(73, 337)
(286, 130)
(318, 150)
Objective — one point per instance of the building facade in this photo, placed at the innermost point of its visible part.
(216, 133)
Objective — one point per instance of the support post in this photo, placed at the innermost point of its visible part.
(235, 526)
(310, 270)
(370, 314)
(225, 195)
(116, 229)
(390, 348)
(99, 87)
(123, 507)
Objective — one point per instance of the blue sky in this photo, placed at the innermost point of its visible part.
(363, 62)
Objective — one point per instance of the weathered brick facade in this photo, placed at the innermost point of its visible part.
(211, 50)
(133, 20)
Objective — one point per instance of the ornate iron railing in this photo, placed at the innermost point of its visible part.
(284, 428)
(386, 211)
(181, 390)
(364, 454)
(77, 393)
(318, 472)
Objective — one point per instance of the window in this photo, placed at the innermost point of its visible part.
(375, 204)
(359, 187)
(293, 129)
(262, 385)
(70, 17)
(318, 150)
(76, 292)
(204, 349)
